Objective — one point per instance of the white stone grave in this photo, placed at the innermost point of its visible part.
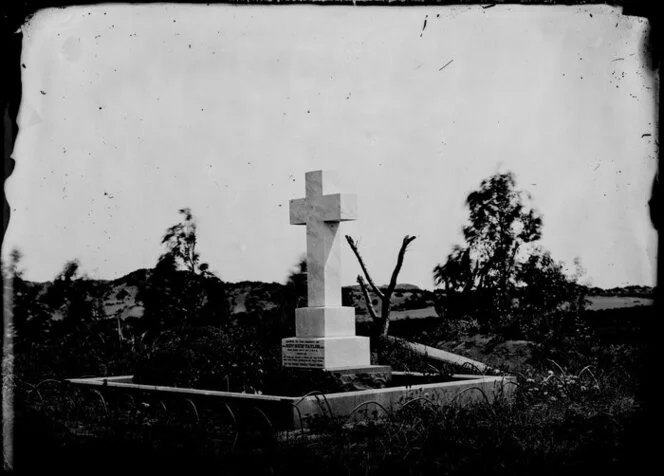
(325, 330)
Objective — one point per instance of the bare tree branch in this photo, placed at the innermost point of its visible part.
(353, 246)
(367, 299)
(382, 321)
(395, 274)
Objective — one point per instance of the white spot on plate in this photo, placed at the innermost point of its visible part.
(71, 49)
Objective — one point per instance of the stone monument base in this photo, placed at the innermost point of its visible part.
(363, 378)
(325, 352)
(346, 379)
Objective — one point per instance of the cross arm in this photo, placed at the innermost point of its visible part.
(298, 211)
(338, 207)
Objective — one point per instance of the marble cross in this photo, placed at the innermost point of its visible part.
(322, 211)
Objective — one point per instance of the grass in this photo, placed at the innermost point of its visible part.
(560, 421)
(577, 409)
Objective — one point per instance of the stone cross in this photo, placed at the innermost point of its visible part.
(325, 330)
(321, 211)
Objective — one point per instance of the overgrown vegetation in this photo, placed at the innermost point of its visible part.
(572, 419)
(579, 404)
(182, 291)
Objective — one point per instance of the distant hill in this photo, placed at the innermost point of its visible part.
(398, 287)
(117, 298)
(636, 291)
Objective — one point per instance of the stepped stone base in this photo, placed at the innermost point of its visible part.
(325, 352)
(363, 378)
(345, 379)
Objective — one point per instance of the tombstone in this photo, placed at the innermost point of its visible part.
(325, 330)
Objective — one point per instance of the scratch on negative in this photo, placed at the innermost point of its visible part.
(424, 25)
(445, 65)
(617, 59)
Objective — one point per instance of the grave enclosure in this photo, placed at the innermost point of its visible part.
(325, 340)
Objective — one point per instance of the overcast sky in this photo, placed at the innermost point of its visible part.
(132, 112)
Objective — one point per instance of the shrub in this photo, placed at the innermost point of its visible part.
(203, 357)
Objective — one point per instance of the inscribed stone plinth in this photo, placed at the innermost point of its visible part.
(326, 352)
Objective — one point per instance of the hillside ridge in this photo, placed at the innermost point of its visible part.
(119, 296)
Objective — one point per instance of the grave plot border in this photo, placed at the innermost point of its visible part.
(287, 413)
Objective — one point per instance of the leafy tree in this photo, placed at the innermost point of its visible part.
(549, 301)
(72, 296)
(487, 276)
(180, 241)
(181, 290)
(455, 275)
(500, 224)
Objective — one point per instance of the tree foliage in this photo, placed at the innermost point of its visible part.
(295, 289)
(181, 290)
(180, 241)
(73, 296)
(500, 224)
(499, 268)
(549, 300)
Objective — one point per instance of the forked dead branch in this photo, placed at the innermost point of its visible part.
(382, 321)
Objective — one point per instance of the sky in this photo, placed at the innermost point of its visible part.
(131, 112)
